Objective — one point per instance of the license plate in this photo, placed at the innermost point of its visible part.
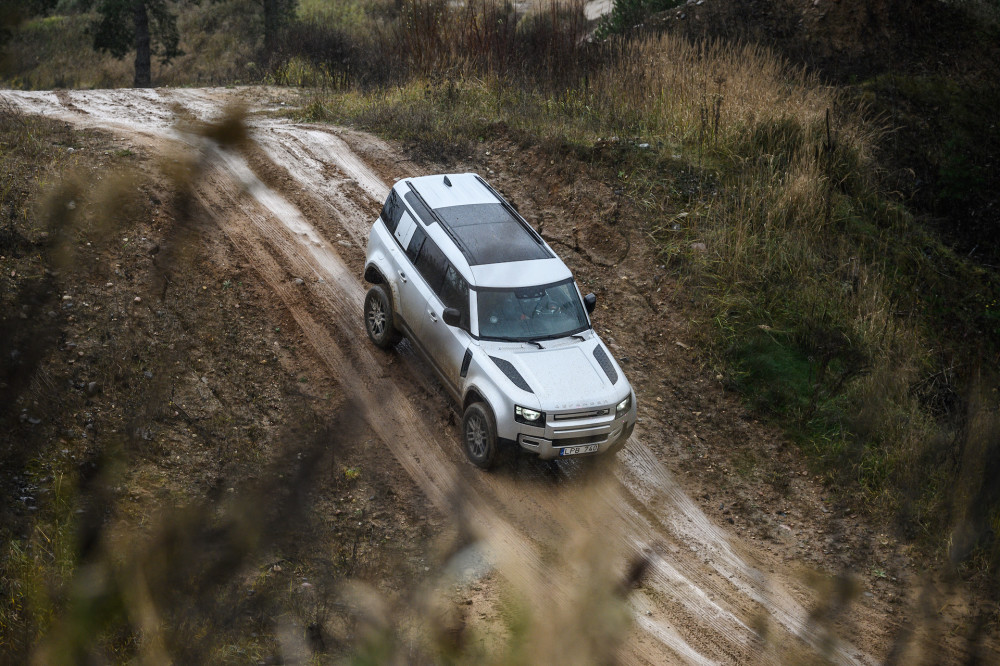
(576, 450)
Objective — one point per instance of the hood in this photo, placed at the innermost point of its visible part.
(563, 376)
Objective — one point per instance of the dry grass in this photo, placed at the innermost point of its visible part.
(759, 186)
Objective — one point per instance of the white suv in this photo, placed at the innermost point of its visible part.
(486, 301)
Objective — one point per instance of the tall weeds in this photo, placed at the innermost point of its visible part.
(759, 187)
(803, 260)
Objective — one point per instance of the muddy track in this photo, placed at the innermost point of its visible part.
(298, 204)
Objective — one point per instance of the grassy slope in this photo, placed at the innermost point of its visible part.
(835, 311)
(825, 300)
(832, 308)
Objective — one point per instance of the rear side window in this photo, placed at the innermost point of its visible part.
(431, 264)
(416, 242)
(392, 210)
(443, 279)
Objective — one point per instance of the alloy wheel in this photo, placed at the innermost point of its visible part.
(475, 436)
(376, 317)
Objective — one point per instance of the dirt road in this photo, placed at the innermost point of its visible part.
(298, 204)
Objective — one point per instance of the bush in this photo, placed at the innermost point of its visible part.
(628, 14)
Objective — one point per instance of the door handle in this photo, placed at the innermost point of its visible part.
(432, 315)
(402, 276)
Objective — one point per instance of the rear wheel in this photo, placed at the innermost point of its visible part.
(479, 435)
(379, 322)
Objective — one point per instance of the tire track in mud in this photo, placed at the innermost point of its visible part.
(735, 577)
(505, 491)
(708, 595)
(274, 249)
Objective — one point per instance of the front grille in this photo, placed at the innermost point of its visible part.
(581, 415)
(577, 441)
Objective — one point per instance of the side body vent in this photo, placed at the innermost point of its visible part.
(606, 364)
(465, 362)
(512, 374)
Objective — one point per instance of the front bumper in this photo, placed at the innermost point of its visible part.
(548, 448)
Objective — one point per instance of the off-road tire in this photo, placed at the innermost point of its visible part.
(379, 321)
(479, 435)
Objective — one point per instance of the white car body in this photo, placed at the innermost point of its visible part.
(520, 341)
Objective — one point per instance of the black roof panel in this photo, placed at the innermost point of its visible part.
(488, 234)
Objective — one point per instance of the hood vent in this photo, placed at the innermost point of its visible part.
(512, 374)
(606, 364)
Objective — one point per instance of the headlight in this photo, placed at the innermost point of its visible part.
(623, 406)
(528, 416)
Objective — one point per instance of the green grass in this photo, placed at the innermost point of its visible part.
(37, 570)
(950, 143)
(776, 377)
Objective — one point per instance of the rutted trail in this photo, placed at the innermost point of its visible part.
(705, 594)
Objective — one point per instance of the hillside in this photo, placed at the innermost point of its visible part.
(787, 209)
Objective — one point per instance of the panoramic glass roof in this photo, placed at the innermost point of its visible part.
(488, 234)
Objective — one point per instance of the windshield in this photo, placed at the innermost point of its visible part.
(531, 313)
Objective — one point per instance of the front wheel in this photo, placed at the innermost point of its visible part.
(379, 322)
(479, 435)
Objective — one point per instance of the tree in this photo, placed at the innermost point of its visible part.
(277, 15)
(148, 26)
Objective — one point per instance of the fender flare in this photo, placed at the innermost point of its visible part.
(376, 270)
(480, 388)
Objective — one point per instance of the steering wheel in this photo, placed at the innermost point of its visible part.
(545, 307)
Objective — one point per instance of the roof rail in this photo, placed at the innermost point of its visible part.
(461, 246)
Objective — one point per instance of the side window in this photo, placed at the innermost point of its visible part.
(432, 264)
(392, 210)
(416, 242)
(455, 294)
(404, 230)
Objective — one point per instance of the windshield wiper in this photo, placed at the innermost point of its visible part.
(579, 337)
(530, 342)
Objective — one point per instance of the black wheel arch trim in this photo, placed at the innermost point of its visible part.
(373, 275)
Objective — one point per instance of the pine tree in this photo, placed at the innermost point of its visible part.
(148, 26)
(277, 15)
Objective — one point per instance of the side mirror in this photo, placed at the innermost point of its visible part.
(452, 316)
(590, 302)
